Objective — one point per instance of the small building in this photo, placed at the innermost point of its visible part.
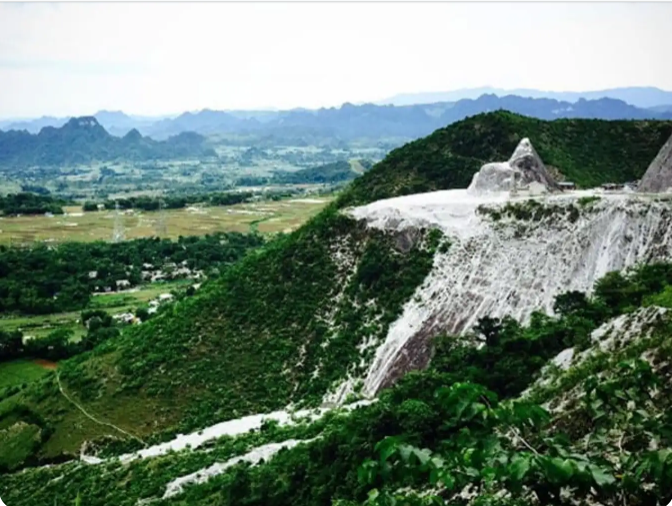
(566, 185)
(611, 186)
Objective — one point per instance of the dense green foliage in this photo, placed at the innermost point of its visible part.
(437, 432)
(291, 295)
(148, 203)
(284, 326)
(265, 308)
(329, 174)
(587, 152)
(45, 279)
(30, 203)
(59, 344)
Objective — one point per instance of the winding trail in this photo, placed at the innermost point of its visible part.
(91, 417)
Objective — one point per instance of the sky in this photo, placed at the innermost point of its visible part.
(165, 58)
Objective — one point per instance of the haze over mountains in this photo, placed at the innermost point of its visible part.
(83, 140)
(408, 117)
(640, 96)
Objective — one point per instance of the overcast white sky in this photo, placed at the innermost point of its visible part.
(72, 59)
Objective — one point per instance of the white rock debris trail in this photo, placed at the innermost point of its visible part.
(232, 428)
(253, 457)
(492, 269)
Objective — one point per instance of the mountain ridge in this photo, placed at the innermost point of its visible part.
(638, 96)
(84, 140)
(361, 121)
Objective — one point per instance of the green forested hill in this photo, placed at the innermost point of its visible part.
(83, 140)
(587, 152)
(284, 324)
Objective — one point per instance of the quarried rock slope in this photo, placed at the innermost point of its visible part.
(507, 258)
(658, 177)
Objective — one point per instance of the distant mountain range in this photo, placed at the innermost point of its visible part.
(84, 140)
(351, 122)
(643, 97)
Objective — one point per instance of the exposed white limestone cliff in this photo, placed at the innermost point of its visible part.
(523, 171)
(506, 267)
(658, 177)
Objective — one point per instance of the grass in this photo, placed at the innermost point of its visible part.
(18, 372)
(273, 216)
(114, 303)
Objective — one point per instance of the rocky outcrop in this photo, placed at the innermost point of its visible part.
(523, 171)
(658, 177)
(510, 266)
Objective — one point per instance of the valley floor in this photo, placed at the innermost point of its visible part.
(75, 225)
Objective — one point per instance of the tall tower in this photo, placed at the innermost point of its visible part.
(160, 226)
(118, 234)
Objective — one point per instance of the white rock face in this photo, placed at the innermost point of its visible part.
(522, 170)
(231, 428)
(508, 267)
(658, 177)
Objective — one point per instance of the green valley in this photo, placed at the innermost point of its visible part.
(319, 318)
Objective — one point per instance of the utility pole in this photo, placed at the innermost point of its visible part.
(118, 234)
(161, 226)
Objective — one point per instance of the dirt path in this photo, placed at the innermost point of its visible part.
(91, 417)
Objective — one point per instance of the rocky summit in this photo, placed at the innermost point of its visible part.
(658, 177)
(523, 171)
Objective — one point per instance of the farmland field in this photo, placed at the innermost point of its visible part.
(75, 225)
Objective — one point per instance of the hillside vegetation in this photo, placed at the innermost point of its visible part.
(587, 152)
(439, 437)
(291, 321)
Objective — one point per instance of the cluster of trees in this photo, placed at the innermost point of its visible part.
(330, 173)
(45, 279)
(147, 203)
(60, 343)
(30, 203)
(56, 345)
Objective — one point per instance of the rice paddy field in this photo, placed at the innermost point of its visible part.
(76, 225)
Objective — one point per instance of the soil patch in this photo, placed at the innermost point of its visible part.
(46, 364)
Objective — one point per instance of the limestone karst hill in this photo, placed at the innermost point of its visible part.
(305, 320)
(658, 177)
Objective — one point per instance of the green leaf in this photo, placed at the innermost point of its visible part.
(422, 455)
(387, 447)
(519, 468)
(447, 480)
(601, 476)
(557, 470)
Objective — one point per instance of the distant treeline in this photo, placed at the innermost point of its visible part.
(147, 203)
(330, 173)
(30, 203)
(47, 279)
